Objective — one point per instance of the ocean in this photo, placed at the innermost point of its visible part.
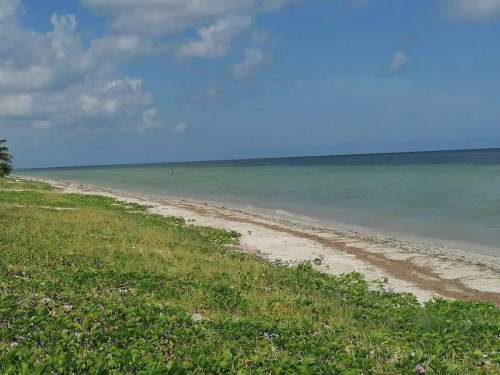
(449, 197)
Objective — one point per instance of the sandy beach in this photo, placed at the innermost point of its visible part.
(424, 269)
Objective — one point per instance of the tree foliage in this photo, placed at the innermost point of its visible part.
(5, 159)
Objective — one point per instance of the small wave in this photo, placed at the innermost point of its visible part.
(292, 215)
(283, 212)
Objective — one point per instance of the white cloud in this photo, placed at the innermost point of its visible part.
(55, 78)
(473, 10)
(32, 77)
(214, 41)
(254, 58)
(124, 83)
(15, 105)
(61, 79)
(260, 37)
(180, 128)
(93, 105)
(399, 61)
(64, 23)
(8, 9)
(160, 17)
(217, 23)
(115, 49)
(150, 120)
(213, 92)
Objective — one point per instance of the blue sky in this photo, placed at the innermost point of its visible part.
(123, 81)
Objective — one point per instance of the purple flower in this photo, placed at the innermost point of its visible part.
(420, 370)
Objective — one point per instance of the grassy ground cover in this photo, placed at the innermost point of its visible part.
(90, 285)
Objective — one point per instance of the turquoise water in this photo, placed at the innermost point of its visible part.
(433, 195)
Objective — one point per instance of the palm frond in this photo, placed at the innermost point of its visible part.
(4, 153)
(6, 158)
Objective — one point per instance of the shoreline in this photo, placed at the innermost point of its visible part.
(476, 252)
(420, 268)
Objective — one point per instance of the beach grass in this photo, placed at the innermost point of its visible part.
(92, 285)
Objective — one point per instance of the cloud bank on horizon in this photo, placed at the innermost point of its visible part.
(65, 82)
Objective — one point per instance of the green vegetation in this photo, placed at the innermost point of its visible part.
(5, 159)
(90, 285)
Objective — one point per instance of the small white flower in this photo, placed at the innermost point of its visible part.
(197, 317)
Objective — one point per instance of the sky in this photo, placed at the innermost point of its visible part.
(86, 82)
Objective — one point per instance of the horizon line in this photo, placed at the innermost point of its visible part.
(257, 158)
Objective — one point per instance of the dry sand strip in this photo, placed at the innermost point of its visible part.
(405, 266)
